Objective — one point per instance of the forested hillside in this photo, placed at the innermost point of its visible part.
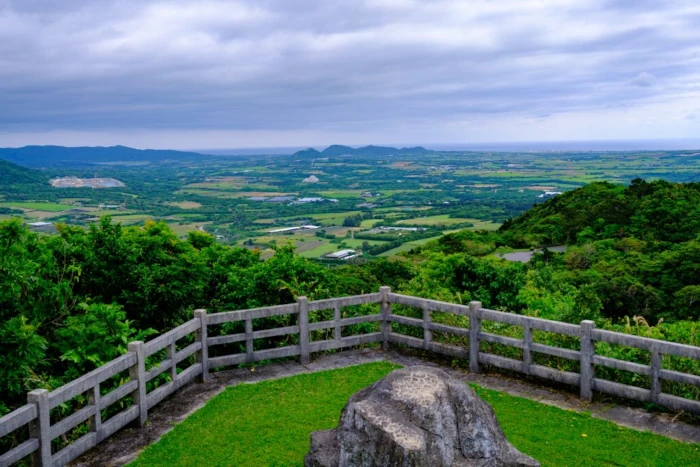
(656, 211)
(14, 175)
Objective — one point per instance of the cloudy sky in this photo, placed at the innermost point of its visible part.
(265, 73)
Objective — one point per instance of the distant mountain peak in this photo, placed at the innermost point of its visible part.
(336, 150)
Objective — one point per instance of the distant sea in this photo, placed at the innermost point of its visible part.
(525, 146)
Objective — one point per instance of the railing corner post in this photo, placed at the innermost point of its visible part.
(587, 368)
(40, 428)
(386, 313)
(303, 304)
(474, 330)
(201, 336)
(138, 373)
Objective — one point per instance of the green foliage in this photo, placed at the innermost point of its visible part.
(659, 210)
(459, 275)
(71, 302)
(353, 221)
(93, 336)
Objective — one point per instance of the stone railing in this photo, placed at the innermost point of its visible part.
(193, 362)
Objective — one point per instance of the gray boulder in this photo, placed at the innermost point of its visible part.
(415, 417)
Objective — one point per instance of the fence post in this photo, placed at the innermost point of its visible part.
(138, 373)
(95, 420)
(41, 427)
(427, 333)
(170, 352)
(386, 313)
(201, 335)
(655, 369)
(527, 347)
(474, 330)
(587, 368)
(337, 330)
(249, 339)
(303, 303)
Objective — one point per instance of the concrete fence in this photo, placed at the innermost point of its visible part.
(193, 362)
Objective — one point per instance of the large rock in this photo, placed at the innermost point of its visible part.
(415, 417)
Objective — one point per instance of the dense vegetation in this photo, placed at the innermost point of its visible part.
(659, 212)
(72, 301)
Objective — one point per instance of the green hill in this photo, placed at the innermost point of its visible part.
(13, 174)
(658, 210)
(48, 156)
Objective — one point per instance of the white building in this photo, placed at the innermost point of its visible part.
(342, 254)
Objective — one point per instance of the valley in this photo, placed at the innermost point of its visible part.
(418, 193)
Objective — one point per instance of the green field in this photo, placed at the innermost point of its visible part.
(33, 206)
(269, 423)
(321, 249)
(408, 246)
(443, 219)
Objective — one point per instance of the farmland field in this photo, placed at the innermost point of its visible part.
(440, 191)
(31, 206)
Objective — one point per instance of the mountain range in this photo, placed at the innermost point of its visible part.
(339, 150)
(57, 156)
(51, 156)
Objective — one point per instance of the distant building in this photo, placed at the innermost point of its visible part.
(313, 200)
(257, 198)
(309, 200)
(311, 179)
(39, 224)
(342, 254)
(549, 193)
(292, 229)
(409, 229)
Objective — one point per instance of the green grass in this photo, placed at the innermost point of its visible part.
(557, 437)
(49, 207)
(268, 424)
(264, 424)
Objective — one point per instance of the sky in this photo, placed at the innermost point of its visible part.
(297, 73)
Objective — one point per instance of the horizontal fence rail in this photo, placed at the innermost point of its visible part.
(181, 355)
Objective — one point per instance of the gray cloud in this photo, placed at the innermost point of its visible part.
(397, 70)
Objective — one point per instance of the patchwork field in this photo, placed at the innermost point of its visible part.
(186, 205)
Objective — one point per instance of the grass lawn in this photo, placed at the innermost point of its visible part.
(557, 437)
(264, 424)
(268, 424)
